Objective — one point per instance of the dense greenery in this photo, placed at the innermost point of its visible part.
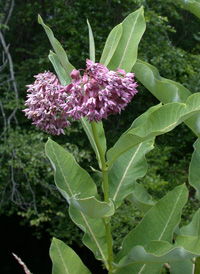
(171, 43)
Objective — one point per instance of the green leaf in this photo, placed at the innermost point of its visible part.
(165, 90)
(156, 252)
(91, 43)
(159, 222)
(111, 44)
(94, 233)
(61, 54)
(183, 267)
(71, 181)
(189, 243)
(94, 208)
(194, 170)
(141, 198)
(160, 121)
(193, 228)
(65, 260)
(126, 170)
(101, 134)
(125, 54)
(140, 269)
(70, 178)
(192, 5)
(64, 80)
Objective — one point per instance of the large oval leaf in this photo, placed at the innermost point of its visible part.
(159, 223)
(94, 233)
(75, 184)
(156, 252)
(125, 54)
(165, 90)
(126, 170)
(160, 121)
(70, 178)
(65, 260)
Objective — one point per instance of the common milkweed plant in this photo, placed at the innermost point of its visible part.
(90, 95)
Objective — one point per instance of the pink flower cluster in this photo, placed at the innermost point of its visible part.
(44, 102)
(96, 94)
(99, 92)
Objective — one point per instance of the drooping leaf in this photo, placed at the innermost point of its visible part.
(159, 222)
(61, 54)
(165, 90)
(125, 54)
(140, 198)
(160, 121)
(94, 233)
(192, 5)
(65, 260)
(91, 43)
(156, 252)
(62, 75)
(194, 170)
(70, 178)
(101, 135)
(93, 207)
(126, 170)
(111, 44)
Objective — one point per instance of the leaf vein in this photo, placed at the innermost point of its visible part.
(172, 212)
(125, 173)
(61, 170)
(95, 240)
(62, 258)
(128, 41)
(142, 268)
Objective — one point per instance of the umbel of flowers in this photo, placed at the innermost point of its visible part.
(96, 94)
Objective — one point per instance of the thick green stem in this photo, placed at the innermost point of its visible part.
(106, 197)
(197, 266)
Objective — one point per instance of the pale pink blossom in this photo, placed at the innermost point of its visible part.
(95, 95)
(99, 92)
(44, 102)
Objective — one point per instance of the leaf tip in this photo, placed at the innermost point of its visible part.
(88, 23)
(40, 21)
(48, 141)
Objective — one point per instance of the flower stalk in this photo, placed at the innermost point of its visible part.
(106, 197)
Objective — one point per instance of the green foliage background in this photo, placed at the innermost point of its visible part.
(171, 43)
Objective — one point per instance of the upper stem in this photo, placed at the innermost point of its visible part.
(103, 162)
(106, 196)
